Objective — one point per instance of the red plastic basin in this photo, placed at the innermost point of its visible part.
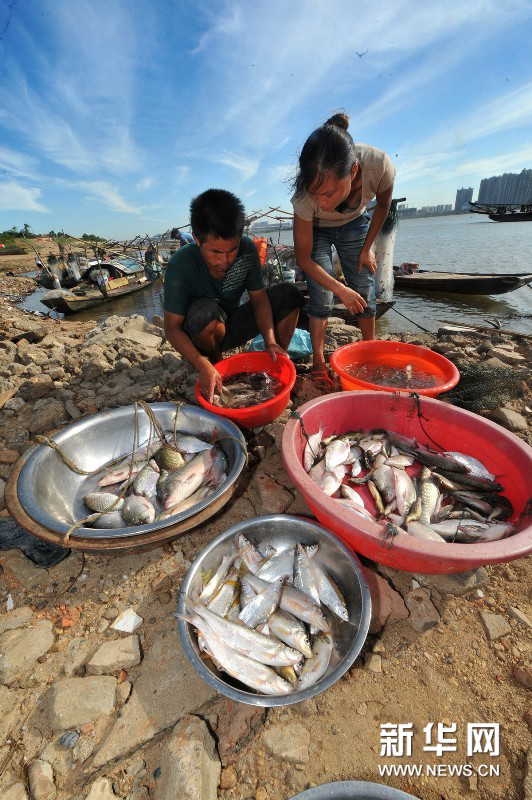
(393, 354)
(282, 370)
(454, 429)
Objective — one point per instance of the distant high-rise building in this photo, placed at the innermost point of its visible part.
(511, 187)
(463, 196)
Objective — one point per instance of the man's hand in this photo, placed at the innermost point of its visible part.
(367, 259)
(353, 301)
(276, 350)
(210, 381)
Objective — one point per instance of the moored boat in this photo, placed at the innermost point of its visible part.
(504, 212)
(462, 282)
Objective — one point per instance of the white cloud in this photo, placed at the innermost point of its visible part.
(245, 165)
(17, 164)
(144, 184)
(14, 197)
(282, 173)
(182, 173)
(110, 196)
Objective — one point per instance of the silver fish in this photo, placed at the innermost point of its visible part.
(328, 482)
(224, 597)
(103, 501)
(330, 594)
(247, 592)
(405, 491)
(249, 553)
(261, 607)
(401, 460)
(181, 484)
(119, 474)
(186, 443)
(429, 501)
(336, 453)
(296, 603)
(212, 586)
(421, 531)
(145, 483)
(355, 508)
(199, 495)
(383, 477)
(304, 579)
(138, 510)
(290, 631)
(315, 667)
(280, 565)
(472, 535)
(113, 519)
(311, 453)
(256, 675)
(249, 642)
(474, 466)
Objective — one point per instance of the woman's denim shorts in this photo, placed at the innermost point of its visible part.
(348, 240)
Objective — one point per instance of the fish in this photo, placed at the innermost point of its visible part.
(289, 674)
(429, 500)
(249, 553)
(213, 585)
(137, 510)
(315, 667)
(261, 607)
(280, 565)
(330, 594)
(383, 478)
(119, 474)
(304, 578)
(291, 631)
(472, 535)
(145, 482)
(256, 675)
(112, 519)
(247, 389)
(296, 603)
(196, 497)
(328, 481)
(249, 642)
(400, 460)
(421, 531)
(337, 453)
(376, 496)
(186, 443)
(352, 495)
(167, 457)
(312, 450)
(181, 484)
(473, 465)
(224, 597)
(103, 501)
(405, 491)
(357, 509)
(473, 501)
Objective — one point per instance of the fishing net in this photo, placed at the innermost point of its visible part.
(485, 387)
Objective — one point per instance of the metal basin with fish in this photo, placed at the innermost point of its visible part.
(353, 790)
(50, 494)
(433, 424)
(283, 531)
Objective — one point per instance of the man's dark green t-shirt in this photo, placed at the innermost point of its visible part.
(187, 279)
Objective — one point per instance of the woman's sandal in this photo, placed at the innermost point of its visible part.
(321, 379)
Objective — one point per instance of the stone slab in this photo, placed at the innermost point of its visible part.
(289, 742)
(74, 701)
(190, 768)
(495, 625)
(20, 649)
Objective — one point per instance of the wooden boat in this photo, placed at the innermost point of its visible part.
(504, 212)
(461, 282)
(87, 296)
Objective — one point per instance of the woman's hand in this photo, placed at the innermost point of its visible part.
(210, 380)
(276, 350)
(353, 301)
(367, 260)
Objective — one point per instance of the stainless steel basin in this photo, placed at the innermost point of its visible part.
(283, 530)
(51, 493)
(353, 790)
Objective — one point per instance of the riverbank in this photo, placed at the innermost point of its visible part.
(136, 713)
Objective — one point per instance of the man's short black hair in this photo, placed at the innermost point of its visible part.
(218, 213)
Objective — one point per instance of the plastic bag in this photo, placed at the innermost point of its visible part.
(300, 347)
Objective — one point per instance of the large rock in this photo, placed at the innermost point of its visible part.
(190, 768)
(15, 792)
(74, 701)
(459, 583)
(527, 785)
(20, 649)
(233, 724)
(506, 355)
(495, 625)
(423, 613)
(101, 789)
(41, 780)
(78, 652)
(387, 605)
(22, 570)
(510, 419)
(47, 415)
(36, 387)
(15, 619)
(10, 701)
(167, 688)
(289, 742)
(115, 655)
(267, 496)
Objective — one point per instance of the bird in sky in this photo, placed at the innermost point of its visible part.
(361, 55)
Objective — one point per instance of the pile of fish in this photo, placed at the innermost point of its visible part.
(416, 491)
(407, 377)
(156, 482)
(247, 389)
(263, 616)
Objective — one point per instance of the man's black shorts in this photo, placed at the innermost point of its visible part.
(240, 325)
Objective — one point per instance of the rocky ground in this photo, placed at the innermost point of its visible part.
(92, 712)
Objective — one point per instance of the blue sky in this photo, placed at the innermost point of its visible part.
(114, 114)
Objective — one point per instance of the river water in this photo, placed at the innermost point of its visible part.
(465, 243)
